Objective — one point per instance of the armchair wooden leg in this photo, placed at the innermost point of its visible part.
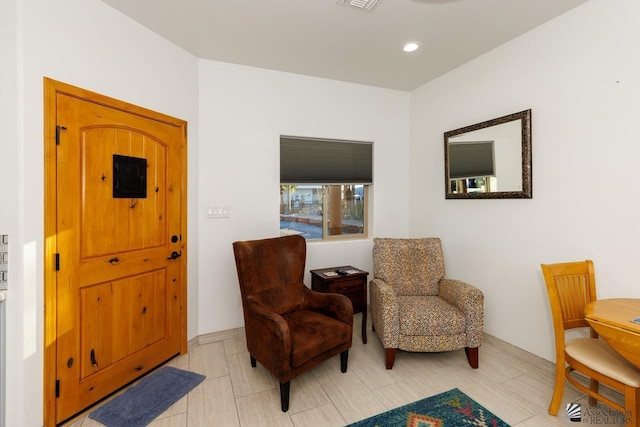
(344, 357)
(472, 356)
(390, 357)
(253, 361)
(284, 395)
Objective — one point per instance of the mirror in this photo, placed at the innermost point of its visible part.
(489, 160)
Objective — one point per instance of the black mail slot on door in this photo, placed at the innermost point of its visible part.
(129, 177)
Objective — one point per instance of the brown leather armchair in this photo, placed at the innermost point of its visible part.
(289, 328)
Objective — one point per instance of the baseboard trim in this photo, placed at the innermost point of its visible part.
(216, 336)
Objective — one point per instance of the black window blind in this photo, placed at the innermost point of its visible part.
(325, 161)
(471, 159)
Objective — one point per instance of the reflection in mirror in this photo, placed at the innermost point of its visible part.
(490, 160)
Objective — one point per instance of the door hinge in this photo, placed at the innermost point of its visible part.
(57, 388)
(58, 129)
(57, 262)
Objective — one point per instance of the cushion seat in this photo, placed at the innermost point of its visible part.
(429, 315)
(599, 356)
(313, 333)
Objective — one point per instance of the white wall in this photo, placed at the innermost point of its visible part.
(243, 112)
(88, 44)
(580, 75)
(10, 181)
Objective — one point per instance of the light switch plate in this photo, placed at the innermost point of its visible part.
(4, 261)
(216, 212)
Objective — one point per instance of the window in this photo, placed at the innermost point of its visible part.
(472, 167)
(323, 211)
(323, 187)
(471, 159)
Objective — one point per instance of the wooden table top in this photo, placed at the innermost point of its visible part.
(616, 312)
(322, 271)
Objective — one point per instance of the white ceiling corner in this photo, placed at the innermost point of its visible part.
(319, 38)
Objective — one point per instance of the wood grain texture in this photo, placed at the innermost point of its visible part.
(116, 308)
(611, 318)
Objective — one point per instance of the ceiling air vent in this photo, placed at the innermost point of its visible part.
(367, 5)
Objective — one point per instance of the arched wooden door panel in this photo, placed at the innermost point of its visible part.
(115, 290)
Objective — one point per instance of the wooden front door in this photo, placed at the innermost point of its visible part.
(115, 224)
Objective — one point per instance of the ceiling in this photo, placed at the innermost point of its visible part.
(325, 39)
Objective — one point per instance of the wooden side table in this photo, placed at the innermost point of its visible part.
(352, 284)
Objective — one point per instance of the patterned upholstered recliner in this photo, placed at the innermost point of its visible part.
(414, 308)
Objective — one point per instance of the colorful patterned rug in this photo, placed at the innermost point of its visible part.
(452, 408)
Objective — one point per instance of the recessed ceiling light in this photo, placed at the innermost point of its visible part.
(411, 46)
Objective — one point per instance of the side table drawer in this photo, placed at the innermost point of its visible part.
(353, 289)
(346, 287)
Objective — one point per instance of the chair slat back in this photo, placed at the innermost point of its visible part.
(571, 286)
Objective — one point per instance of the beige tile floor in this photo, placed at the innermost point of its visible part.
(514, 384)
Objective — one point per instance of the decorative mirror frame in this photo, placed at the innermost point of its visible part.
(526, 192)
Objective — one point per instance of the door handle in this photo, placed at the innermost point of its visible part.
(94, 361)
(175, 255)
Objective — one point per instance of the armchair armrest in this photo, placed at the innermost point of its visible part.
(470, 301)
(333, 305)
(268, 336)
(384, 312)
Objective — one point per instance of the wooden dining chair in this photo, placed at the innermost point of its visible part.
(571, 286)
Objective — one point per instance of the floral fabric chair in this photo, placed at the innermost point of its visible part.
(415, 308)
